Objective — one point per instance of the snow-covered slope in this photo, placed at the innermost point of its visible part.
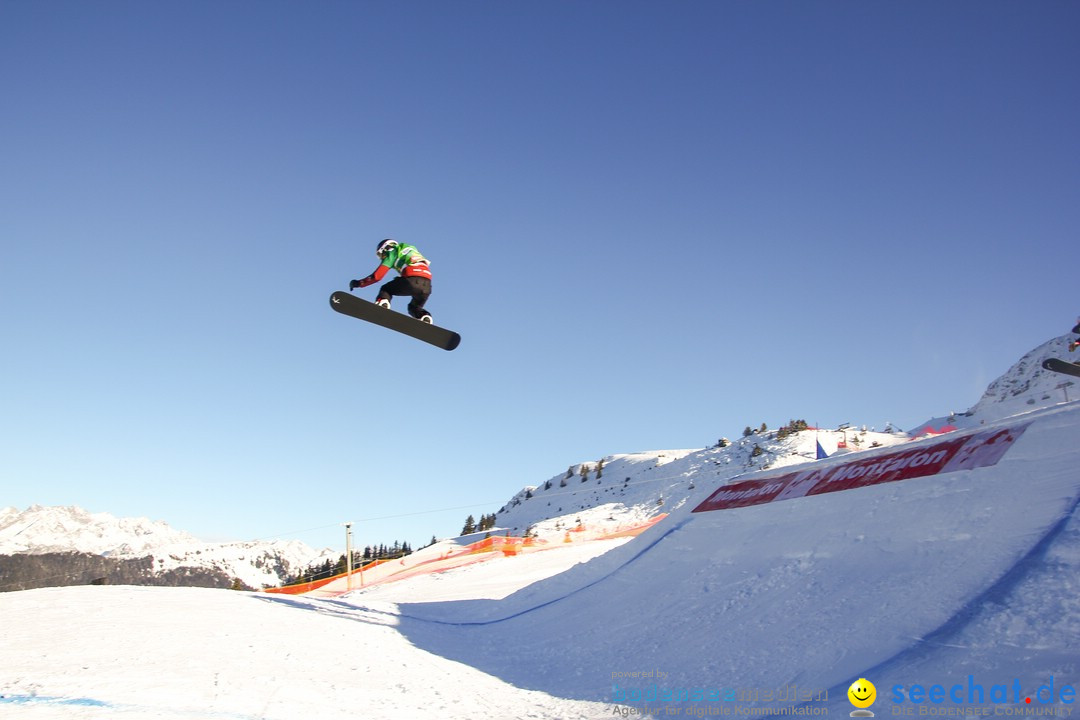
(645, 484)
(1027, 385)
(257, 563)
(1024, 387)
(39, 530)
(963, 579)
(102, 653)
(639, 486)
(815, 591)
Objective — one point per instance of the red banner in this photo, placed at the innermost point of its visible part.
(982, 449)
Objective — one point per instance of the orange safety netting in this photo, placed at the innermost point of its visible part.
(440, 558)
(306, 587)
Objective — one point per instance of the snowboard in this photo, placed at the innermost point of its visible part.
(348, 304)
(1061, 366)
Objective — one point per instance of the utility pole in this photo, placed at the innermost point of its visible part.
(348, 555)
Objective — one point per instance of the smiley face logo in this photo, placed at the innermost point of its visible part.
(862, 693)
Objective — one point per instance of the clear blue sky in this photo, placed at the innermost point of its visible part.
(653, 223)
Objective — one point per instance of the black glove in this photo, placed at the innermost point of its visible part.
(353, 284)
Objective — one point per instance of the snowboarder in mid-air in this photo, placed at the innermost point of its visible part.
(414, 279)
(414, 282)
(1075, 343)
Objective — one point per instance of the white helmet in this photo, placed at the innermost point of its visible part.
(384, 247)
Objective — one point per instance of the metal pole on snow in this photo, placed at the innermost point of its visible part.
(348, 554)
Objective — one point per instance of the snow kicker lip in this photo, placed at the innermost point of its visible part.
(981, 449)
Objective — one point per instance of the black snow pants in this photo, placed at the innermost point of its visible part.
(419, 288)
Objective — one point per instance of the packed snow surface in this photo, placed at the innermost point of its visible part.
(922, 581)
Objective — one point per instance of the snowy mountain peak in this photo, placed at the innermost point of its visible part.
(39, 530)
(1026, 385)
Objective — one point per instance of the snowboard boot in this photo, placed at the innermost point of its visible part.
(426, 318)
(383, 303)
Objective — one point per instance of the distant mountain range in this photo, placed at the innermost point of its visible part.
(48, 546)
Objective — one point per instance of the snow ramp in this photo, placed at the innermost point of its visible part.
(946, 566)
